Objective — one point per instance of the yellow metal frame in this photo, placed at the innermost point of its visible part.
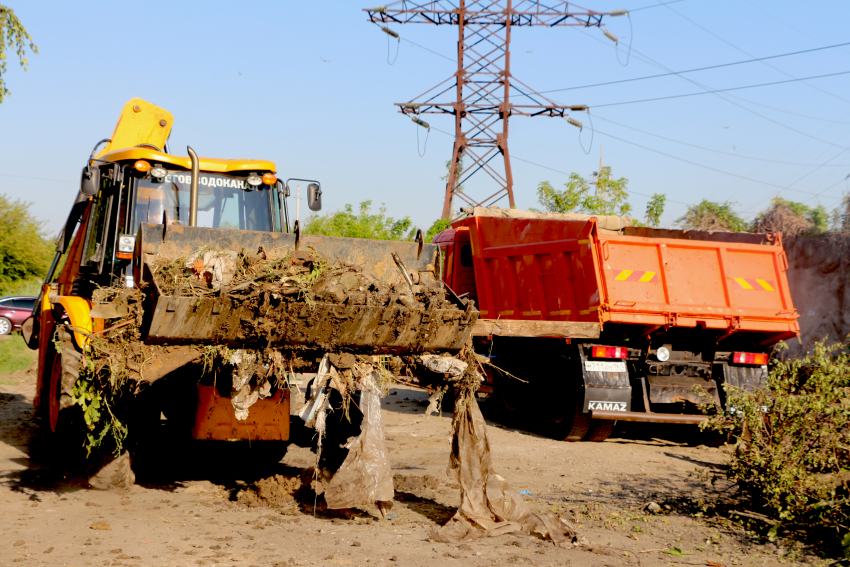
(210, 165)
(79, 310)
(140, 123)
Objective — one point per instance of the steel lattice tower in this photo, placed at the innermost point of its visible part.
(483, 82)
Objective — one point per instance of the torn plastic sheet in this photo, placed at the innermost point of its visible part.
(365, 476)
(244, 391)
(317, 402)
(217, 268)
(489, 506)
(448, 365)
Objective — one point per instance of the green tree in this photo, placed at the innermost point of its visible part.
(713, 217)
(439, 226)
(363, 224)
(25, 252)
(792, 219)
(654, 209)
(605, 196)
(14, 35)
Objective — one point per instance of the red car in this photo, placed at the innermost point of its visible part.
(13, 311)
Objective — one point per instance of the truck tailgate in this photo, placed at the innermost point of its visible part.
(713, 284)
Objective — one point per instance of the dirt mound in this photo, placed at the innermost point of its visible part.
(416, 484)
(819, 281)
(280, 492)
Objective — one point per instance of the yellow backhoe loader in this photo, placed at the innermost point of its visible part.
(142, 209)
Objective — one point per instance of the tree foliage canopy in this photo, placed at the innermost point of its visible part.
(439, 226)
(712, 217)
(605, 196)
(25, 253)
(654, 209)
(14, 35)
(363, 224)
(792, 219)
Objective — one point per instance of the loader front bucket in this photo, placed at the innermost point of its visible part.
(268, 317)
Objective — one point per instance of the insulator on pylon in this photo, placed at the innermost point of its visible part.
(578, 107)
(379, 9)
(618, 13)
(611, 36)
(411, 106)
(420, 122)
(387, 30)
(576, 123)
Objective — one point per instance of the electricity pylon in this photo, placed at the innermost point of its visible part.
(483, 82)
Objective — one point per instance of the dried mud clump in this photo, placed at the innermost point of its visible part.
(280, 492)
(301, 276)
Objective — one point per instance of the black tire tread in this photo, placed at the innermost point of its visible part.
(599, 430)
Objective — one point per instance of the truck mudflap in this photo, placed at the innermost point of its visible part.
(272, 320)
(606, 385)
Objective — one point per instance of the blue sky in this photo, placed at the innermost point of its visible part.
(307, 85)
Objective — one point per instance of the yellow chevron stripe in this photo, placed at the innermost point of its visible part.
(743, 283)
(646, 277)
(624, 275)
(530, 313)
(561, 312)
(508, 312)
(765, 285)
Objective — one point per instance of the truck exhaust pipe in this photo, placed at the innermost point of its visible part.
(647, 417)
(193, 191)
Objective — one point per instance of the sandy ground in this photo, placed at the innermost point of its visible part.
(182, 512)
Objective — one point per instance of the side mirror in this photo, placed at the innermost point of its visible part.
(314, 197)
(90, 181)
(29, 333)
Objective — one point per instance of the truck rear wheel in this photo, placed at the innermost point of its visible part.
(600, 430)
(510, 397)
(566, 421)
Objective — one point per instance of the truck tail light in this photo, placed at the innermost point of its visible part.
(755, 358)
(609, 352)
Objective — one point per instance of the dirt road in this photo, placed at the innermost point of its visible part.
(182, 510)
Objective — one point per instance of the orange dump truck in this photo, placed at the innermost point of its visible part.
(603, 322)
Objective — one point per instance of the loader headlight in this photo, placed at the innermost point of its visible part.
(126, 245)
(158, 173)
(254, 180)
(663, 354)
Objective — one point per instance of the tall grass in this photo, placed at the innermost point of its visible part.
(14, 354)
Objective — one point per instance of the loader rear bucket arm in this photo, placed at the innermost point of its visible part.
(270, 320)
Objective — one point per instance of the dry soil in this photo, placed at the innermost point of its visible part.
(184, 508)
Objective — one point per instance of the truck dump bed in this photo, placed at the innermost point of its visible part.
(569, 270)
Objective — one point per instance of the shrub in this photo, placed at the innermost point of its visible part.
(792, 457)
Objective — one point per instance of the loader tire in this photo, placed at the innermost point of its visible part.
(61, 420)
(599, 430)
(566, 421)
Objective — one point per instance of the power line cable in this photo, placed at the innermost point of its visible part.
(722, 65)
(706, 30)
(714, 150)
(656, 5)
(426, 49)
(564, 172)
(36, 178)
(744, 177)
(723, 90)
(720, 96)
